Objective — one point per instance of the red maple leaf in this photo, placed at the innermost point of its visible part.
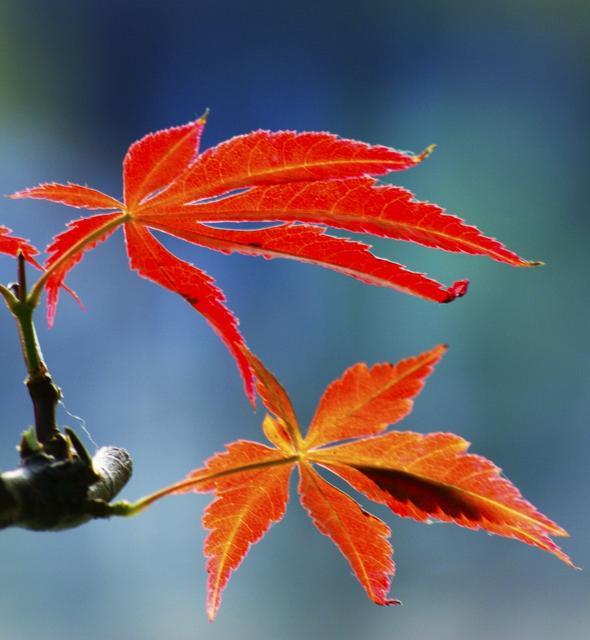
(12, 245)
(424, 477)
(305, 181)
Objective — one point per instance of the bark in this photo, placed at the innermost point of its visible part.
(49, 494)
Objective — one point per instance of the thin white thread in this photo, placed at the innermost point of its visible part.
(81, 421)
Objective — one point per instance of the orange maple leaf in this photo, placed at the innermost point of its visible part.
(304, 181)
(424, 477)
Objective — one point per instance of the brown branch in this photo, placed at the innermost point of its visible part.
(45, 494)
(57, 485)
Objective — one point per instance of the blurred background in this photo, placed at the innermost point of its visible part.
(502, 88)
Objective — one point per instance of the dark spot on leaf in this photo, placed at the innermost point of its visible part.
(428, 495)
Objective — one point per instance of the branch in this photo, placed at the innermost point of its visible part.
(49, 494)
(44, 393)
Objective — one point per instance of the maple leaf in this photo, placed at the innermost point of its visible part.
(304, 181)
(424, 477)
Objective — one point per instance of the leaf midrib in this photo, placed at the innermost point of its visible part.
(237, 181)
(330, 217)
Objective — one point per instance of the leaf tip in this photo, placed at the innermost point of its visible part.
(561, 555)
(457, 290)
(204, 117)
(213, 602)
(436, 353)
(422, 156)
(534, 263)
(571, 564)
(392, 603)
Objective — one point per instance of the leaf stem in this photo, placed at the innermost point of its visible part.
(22, 310)
(8, 296)
(44, 393)
(125, 508)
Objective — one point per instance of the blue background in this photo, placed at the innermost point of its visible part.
(502, 88)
